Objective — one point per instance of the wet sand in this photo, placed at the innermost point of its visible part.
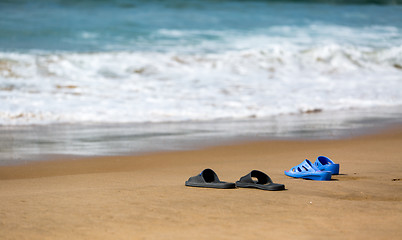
(144, 197)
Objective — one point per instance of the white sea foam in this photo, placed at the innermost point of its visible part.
(267, 79)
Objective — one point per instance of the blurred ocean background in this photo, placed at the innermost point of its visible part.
(151, 67)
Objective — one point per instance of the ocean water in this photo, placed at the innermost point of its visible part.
(119, 61)
(233, 67)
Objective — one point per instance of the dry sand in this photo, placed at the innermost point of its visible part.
(144, 197)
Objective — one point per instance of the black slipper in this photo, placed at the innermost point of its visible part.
(208, 179)
(263, 182)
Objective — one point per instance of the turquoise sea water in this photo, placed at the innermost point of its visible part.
(192, 25)
(156, 64)
(157, 61)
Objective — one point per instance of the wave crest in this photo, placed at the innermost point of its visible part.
(153, 86)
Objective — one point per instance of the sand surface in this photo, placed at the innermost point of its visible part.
(144, 197)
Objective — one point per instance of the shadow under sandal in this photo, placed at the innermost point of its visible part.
(263, 181)
(208, 179)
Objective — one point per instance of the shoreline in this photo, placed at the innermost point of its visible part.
(23, 144)
(144, 197)
(54, 165)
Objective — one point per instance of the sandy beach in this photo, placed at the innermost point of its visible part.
(144, 197)
(108, 107)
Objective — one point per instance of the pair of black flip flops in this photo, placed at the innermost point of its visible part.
(209, 179)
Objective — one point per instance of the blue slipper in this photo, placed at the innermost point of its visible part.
(307, 170)
(326, 164)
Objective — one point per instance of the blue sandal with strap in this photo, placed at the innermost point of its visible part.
(307, 170)
(325, 164)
